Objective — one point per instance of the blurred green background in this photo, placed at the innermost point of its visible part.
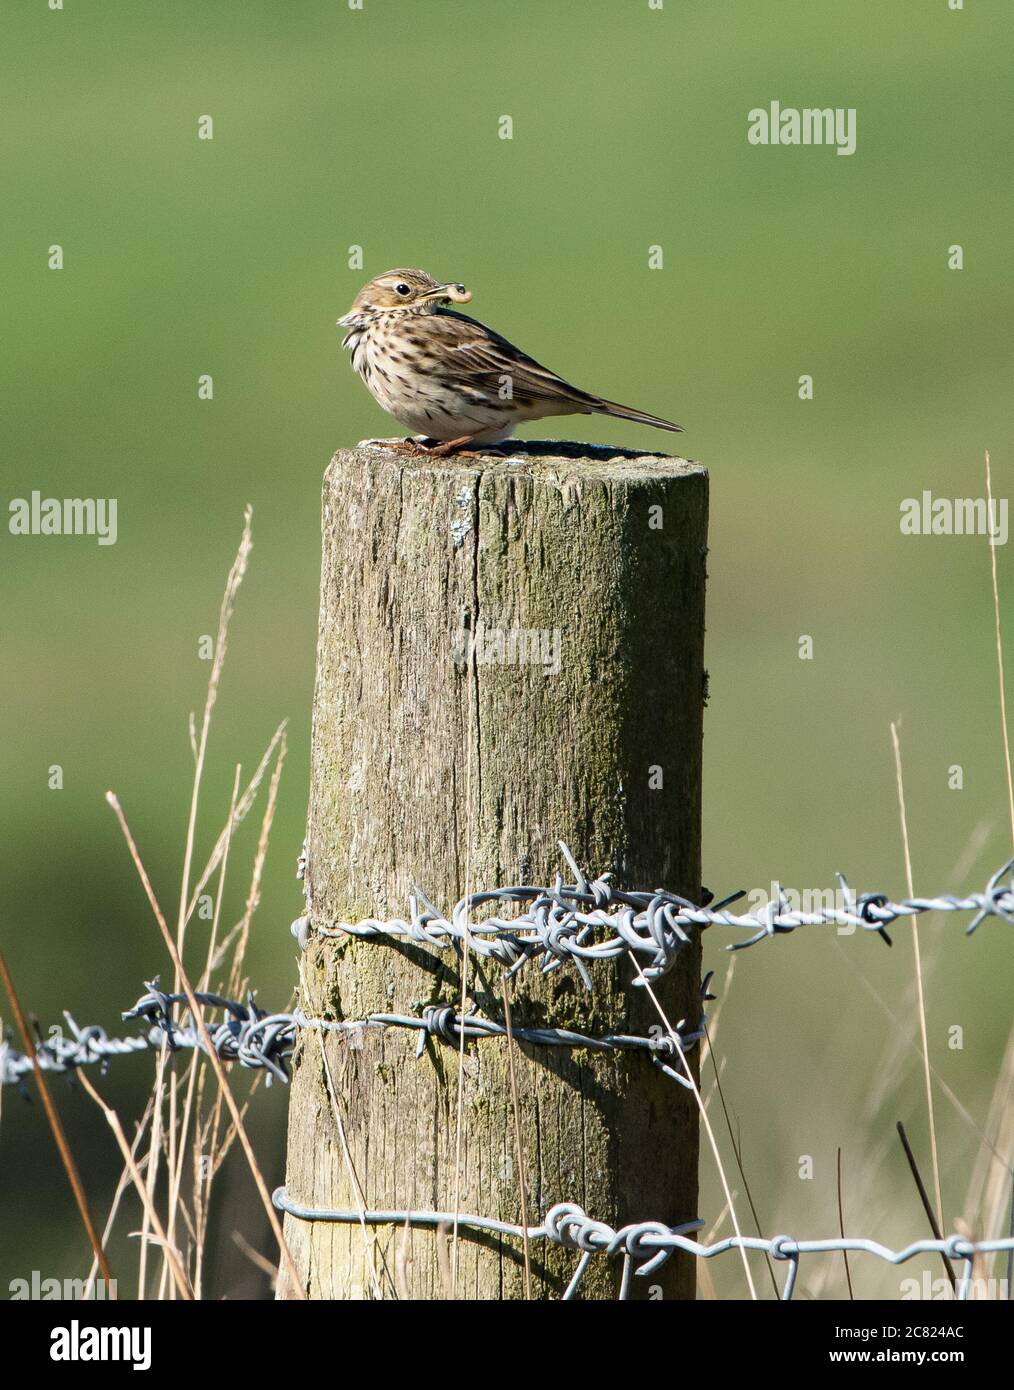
(378, 128)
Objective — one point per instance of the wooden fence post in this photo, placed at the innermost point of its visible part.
(510, 654)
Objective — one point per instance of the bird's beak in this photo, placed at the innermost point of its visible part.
(457, 294)
(345, 321)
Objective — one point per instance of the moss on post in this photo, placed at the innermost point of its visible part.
(510, 654)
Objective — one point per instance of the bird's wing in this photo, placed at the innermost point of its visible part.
(483, 358)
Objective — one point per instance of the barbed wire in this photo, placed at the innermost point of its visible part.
(646, 1245)
(558, 925)
(560, 922)
(256, 1039)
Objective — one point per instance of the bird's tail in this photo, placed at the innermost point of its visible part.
(626, 412)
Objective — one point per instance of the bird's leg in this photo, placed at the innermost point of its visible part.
(454, 446)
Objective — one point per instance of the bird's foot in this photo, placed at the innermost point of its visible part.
(454, 446)
(398, 446)
(421, 446)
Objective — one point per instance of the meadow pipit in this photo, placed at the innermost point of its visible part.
(450, 378)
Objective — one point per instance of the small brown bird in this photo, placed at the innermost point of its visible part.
(449, 377)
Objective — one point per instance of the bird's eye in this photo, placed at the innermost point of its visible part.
(402, 289)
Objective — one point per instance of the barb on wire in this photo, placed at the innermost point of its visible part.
(245, 1035)
(593, 920)
(647, 1245)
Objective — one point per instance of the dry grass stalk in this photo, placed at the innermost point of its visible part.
(128, 1158)
(923, 1032)
(213, 1057)
(55, 1124)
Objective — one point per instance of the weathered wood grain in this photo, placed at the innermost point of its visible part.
(433, 767)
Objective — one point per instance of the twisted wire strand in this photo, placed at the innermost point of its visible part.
(444, 1022)
(647, 1245)
(593, 920)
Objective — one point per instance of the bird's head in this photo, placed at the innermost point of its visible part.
(413, 290)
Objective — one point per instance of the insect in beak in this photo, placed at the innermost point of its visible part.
(449, 293)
